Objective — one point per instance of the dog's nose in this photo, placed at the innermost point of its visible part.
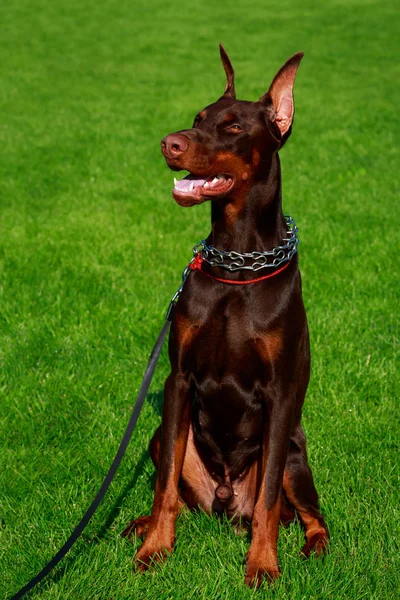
(173, 145)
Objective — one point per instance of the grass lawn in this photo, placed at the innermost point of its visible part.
(92, 247)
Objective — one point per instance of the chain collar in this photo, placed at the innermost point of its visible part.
(251, 261)
(234, 261)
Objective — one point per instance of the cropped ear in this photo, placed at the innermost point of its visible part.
(230, 75)
(280, 94)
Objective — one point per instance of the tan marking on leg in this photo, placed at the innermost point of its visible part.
(262, 557)
(160, 538)
(316, 534)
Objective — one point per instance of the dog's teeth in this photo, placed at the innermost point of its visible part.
(174, 181)
(215, 180)
(206, 184)
(191, 188)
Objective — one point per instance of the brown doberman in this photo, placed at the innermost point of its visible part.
(231, 438)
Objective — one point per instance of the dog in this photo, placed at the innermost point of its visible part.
(231, 439)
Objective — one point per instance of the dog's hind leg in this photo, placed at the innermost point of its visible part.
(300, 491)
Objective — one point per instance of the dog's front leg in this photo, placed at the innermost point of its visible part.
(174, 433)
(262, 557)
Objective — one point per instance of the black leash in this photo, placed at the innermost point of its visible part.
(148, 375)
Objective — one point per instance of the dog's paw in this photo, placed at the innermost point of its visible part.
(138, 528)
(147, 555)
(256, 574)
(318, 544)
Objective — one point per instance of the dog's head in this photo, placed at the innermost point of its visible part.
(229, 141)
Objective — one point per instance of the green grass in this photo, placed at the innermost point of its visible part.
(92, 247)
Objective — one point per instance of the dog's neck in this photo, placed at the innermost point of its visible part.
(255, 221)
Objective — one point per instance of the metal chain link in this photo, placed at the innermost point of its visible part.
(252, 261)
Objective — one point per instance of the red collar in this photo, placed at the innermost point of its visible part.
(196, 265)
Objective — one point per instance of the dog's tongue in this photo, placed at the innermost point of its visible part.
(185, 184)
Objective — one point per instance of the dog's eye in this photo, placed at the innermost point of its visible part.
(235, 128)
(197, 121)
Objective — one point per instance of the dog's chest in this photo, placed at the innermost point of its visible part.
(230, 347)
(225, 365)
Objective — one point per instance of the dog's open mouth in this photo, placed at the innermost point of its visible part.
(192, 189)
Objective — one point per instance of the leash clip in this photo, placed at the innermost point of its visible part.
(197, 249)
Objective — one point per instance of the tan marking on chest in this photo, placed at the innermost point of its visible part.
(186, 330)
(270, 345)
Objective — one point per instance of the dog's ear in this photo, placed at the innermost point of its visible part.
(230, 74)
(279, 98)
